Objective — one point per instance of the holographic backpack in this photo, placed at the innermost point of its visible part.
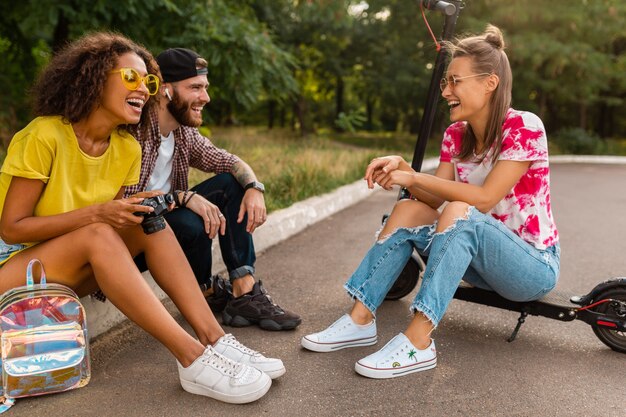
(44, 340)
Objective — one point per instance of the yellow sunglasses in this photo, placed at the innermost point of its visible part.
(132, 80)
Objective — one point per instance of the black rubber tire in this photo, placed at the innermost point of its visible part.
(614, 339)
(406, 282)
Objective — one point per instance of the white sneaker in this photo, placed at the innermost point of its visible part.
(397, 358)
(234, 350)
(214, 375)
(344, 333)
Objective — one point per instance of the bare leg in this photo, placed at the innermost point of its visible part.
(98, 251)
(421, 327)
(171, 271)
(406, 213)
(243, 285)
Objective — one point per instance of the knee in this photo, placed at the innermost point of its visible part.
(454, 211)
(229, 183)
(413, 212)
(187, 226)
(101, 236)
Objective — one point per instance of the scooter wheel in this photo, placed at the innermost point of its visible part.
(614, 339)
(406, 282)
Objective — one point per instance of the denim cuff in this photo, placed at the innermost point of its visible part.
(242, 271)
(358, 295)
(422, 308)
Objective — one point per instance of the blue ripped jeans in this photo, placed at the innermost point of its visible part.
(478, 249)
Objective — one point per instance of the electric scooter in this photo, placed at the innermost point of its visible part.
(603, 308)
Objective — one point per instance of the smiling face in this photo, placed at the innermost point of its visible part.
(188, 99)
(469, 99)
(122, 105)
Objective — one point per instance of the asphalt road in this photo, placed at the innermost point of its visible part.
(552, 369)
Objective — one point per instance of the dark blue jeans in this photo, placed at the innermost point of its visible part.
(236, 245)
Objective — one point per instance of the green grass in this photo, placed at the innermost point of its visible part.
(294, 168)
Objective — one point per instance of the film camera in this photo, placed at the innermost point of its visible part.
(154, 221)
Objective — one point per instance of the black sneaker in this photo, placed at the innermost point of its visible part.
(256, 307)
(222, 292)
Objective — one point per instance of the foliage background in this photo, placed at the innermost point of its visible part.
(342, 65)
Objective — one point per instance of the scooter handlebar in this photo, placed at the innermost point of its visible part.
(439, 5)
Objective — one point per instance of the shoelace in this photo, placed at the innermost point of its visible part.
(212, 358)
(230, 339)
(396, 354)
(265, 298)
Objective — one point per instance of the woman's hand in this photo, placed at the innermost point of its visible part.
(121, 213)
(397, 177)
(383, 165)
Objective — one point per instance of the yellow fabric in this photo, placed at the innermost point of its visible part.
(47, 149)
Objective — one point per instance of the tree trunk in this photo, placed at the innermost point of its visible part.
(369, 110)
(271, 112)
(583, 115)
(61, 33)
(301, 111)
(339, 91)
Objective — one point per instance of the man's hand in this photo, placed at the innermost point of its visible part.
(148, 194)
(153, 193)
(253, 204)
(214, 220)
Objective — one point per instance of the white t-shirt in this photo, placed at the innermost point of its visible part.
(161, 178)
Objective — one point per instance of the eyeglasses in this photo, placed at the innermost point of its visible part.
(132, 80)
(452, 81)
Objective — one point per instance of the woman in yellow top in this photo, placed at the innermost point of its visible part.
(60, 199)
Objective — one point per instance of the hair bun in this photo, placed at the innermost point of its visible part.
(493, 35)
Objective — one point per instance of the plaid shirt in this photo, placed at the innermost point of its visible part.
(190, 149)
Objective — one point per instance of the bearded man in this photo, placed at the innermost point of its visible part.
(229, 205)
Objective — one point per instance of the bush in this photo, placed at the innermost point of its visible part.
(350, 122)
(577, 141)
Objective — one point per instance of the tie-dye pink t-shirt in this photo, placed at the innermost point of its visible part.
(526, 208)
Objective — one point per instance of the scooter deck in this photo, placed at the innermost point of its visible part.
(556, 304)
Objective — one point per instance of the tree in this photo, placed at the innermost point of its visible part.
(245, 62)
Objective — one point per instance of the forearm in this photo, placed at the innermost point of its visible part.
(243, 173)
(41, 228)
(437, 190)
(426, 197)
(419, 193)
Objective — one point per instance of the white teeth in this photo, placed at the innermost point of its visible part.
(137, 102)
(453, 103)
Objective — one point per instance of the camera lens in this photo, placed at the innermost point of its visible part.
(153, 224)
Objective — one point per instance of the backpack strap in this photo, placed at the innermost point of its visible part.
(29, 273)
(5, 403)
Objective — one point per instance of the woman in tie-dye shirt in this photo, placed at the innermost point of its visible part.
(484, 216)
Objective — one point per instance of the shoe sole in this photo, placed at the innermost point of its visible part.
(265, 324)
(248, 397)
(394, 372)
(331, 347)
(273, 374)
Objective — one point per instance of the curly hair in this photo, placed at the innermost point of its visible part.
(71, 85)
